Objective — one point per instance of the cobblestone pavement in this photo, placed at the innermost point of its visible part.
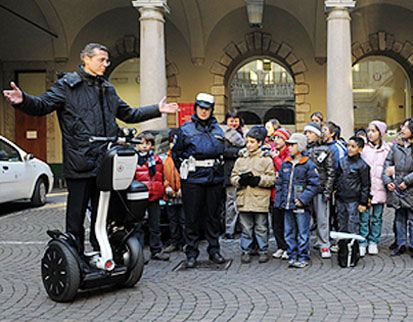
(379, 288)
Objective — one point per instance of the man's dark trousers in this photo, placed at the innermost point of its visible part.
(80, 191)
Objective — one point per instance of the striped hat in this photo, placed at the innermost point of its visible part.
(313, 127)
(282, 133)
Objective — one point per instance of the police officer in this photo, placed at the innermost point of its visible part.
(197, 153)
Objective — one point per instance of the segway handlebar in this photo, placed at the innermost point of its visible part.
(114, 139)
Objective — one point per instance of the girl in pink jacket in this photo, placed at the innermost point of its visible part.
(374, 154)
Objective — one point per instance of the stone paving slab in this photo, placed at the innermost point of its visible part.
(380, 288)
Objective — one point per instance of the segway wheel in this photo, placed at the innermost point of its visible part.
(60, 272)
(134, 260)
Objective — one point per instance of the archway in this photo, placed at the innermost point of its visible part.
(381, 90)
(260, 44)
(262, 85)
(381, 55)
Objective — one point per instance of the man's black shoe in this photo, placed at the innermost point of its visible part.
(217, 258)
(393, 246)
(398, 251)
(190, 262)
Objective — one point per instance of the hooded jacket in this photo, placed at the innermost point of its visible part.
(296, 181)
(254, 199)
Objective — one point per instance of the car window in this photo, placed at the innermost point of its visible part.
(8, 153)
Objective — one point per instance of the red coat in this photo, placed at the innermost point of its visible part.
(278, 160)
(154, 183)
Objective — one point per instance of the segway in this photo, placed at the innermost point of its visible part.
(120, 261)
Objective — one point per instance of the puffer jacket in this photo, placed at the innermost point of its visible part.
(400, 157)
(254, 199)
(296, 181)
(154, 183)
(203, 140)
(353, 180)
(86, 106)
(375, 158)
(323, 158)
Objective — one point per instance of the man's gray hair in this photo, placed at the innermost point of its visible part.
(89, 50)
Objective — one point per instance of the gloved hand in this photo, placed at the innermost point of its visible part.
(243, 181)
(253, 181)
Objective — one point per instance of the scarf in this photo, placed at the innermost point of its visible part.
(149, 158)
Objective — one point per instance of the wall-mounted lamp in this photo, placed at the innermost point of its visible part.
(255, 11)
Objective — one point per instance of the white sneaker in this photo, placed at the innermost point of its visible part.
(278, 253)
(362, 251)
(285, 255)
(373, 249)
(325, 252)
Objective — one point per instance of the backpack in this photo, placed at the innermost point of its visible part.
(348, 252)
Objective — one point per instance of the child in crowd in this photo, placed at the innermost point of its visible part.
(361, 133)
(234, 142)
(296, 185)
(150, 171)
(331, 132)
(374, 154)
(400, 186)
(271, 126)
(173, 199)
(353, 187)
(253, 176)
(323, 158)
(317, 117)
(279, 154)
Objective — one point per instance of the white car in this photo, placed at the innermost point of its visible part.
(22, 176)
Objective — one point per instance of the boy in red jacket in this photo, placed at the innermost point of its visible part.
(150, 172)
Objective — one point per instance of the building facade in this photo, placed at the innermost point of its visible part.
(351, 60)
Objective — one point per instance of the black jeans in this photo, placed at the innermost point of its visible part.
(154, 217)
(176, 219)
(278, 227)
(80, 191)
(202, 209)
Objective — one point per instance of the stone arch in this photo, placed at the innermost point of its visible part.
(259, 43)
(385, 44)
(128, 47)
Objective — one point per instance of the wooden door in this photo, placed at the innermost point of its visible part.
(31, 131)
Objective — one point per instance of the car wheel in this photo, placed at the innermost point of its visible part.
(39, 193)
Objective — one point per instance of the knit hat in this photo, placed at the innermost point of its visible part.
(300, 139)
(381, 126)
(257, 132)
(282, 133)
(313, 127)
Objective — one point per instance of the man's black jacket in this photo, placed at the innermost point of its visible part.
(86, 106)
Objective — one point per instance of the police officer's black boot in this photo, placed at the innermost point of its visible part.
(217, 258)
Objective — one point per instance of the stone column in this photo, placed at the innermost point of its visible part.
(339, 69)
(152, 57)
